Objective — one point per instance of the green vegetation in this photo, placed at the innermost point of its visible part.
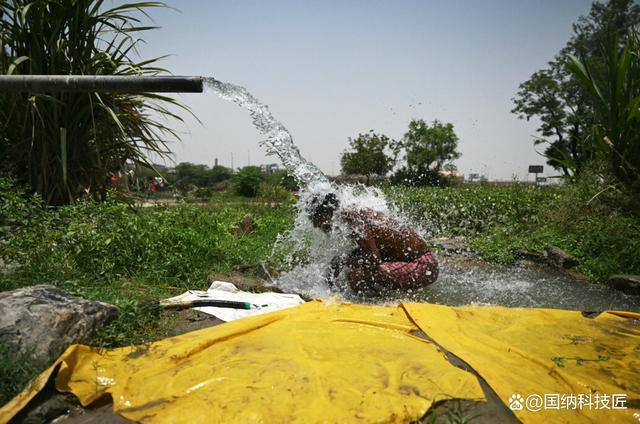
(424, 151)
(580, 218)
(112, 252)
(616, 131)
(555, 96)
(247, 181)
(16, 370)
(428, 147)
(65, 145)
(189, 175)
(367, 155)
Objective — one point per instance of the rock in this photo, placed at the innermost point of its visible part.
(529, 264)
(245, 226)
(529, 255)
(452, 246)
(559, 258)
(46, 409)
(629, 284)
(577, 275)
(42, 321)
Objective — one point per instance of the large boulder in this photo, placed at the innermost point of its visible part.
(629, 284)
(42, 321)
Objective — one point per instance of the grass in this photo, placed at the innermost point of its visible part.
(595, 226)
(112, 252)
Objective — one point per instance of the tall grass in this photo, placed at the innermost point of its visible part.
(64, 145)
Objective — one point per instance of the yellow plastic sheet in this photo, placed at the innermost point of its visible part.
(545, 351)
(320, 362)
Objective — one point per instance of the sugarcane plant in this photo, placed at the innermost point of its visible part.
(65, 145)
(615, 90)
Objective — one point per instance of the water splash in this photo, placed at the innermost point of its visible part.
(279, 141)
(305, 251)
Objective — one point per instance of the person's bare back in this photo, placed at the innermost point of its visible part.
(389, 254)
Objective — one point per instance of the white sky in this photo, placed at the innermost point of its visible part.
(332, 69)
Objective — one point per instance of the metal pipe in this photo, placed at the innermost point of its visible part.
(101, 83)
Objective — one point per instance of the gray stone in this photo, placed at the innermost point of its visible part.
(450, 246)
(629, 284)
(560, 258)
(529, 255)
(43, 320)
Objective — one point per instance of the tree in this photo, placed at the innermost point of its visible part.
(220, 173)
(429, 147)
(559, 101)
(66, 144)
(367, 155)
(426, 150)
(191, 174)
(283, 179)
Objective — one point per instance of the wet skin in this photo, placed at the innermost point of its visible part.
(379, 239)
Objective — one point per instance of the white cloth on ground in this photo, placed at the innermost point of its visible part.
(221, 290)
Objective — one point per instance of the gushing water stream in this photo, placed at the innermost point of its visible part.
(307, 252)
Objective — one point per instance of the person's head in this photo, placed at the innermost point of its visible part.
(321, 211)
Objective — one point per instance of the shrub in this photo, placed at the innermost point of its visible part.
(274, 193)
(585, 218)
(107, 241)
(247, 181)
(283, 179)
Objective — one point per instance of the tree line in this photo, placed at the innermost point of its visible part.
(418, 156)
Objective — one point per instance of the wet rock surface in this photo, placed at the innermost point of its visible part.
(629, 284)
(43, 320)
(451, 246)
(560, 258)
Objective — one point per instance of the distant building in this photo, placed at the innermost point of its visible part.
(269, 168)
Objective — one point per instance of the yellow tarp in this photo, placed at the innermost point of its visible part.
(545, 351)
(318, 362)
(331, 362)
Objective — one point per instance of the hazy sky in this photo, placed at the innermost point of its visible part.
(332, 69)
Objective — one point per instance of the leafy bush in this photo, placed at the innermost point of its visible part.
(616, 114)
(283, 179)
(108, 241)
(582, 218)
(419, 178)
(64, 144)
(471, 210)
(247, 181)
(274, 193)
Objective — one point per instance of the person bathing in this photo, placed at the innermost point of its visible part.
(388, 255)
